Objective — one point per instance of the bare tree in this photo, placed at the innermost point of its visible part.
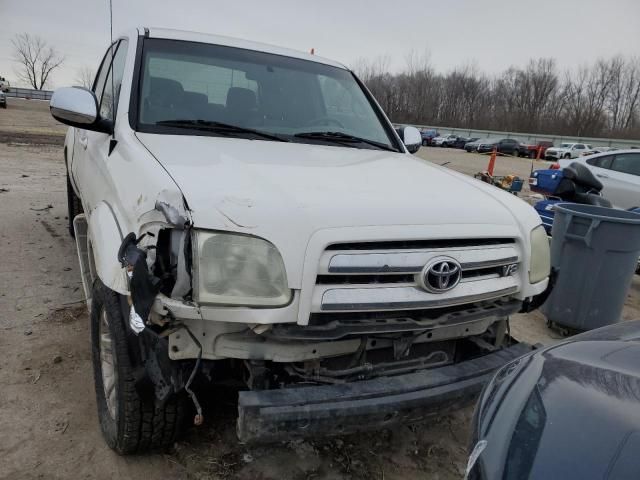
(601, 99)
(84, 77)
(35, 58)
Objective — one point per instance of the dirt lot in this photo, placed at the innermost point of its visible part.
(47, 406)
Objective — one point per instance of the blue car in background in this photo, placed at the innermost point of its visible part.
(428, 134)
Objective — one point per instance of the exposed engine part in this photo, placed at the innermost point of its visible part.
(179, 241)
(135, 321)
(310, 371)
(258, 375)
(199, 418)
(144, 286)
(260, 328)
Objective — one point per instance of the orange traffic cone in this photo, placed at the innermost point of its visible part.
(538, 152)
(492, 162)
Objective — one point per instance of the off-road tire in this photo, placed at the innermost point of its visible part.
(74, 206)
(139, 425)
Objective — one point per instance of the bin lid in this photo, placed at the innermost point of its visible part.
(615, 215)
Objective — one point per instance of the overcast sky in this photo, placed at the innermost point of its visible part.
(493, 34)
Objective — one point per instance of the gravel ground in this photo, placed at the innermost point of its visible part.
(47, 405)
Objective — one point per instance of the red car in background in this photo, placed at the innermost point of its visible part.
(534, 150)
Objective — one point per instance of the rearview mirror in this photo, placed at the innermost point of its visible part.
(412, 139)
(77, 107)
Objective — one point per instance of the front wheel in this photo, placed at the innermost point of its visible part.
(567, 155)
(129, 423)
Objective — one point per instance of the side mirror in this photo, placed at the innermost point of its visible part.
(77, 107)
(412, 139)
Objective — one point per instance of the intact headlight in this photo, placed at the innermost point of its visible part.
(236, 269)
(540, 261)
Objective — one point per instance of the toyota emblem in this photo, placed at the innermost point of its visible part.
(441, 275)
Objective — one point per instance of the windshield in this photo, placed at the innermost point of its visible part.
(283, 96)
(566, 145)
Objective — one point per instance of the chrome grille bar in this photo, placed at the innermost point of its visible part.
(390, 262)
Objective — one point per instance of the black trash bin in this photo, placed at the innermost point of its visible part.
(595, 253)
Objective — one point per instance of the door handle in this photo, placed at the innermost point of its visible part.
(602, 175)
(83, 141)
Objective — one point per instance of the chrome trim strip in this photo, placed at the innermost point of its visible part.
(406, 305)
(412, 261)
(489, 263)
(393, 297)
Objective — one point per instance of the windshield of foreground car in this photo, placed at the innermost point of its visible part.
(261, 92)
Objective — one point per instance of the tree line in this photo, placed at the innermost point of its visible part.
(597, 100)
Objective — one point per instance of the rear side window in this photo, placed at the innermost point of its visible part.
(579, 146)
(602, 162)
(627, 163)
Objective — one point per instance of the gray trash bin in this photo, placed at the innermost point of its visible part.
(595, 252)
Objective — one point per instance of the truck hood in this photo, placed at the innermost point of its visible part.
(285, 192)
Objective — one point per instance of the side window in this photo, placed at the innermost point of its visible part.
(579, 146)
(112, 85)
(98, 84)
(627, 163)
(602, 162)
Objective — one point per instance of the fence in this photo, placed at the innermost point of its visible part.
(534, 137)
(29, 93)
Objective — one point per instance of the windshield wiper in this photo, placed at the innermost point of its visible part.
(219, 127)
(339, 137)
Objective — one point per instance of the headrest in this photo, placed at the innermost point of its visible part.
(166, 91)
(195, 98)
(241, 99)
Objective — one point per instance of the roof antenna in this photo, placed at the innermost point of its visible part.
(113, 141)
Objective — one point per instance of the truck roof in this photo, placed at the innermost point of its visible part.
(172, 34)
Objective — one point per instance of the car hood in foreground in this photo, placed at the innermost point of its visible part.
(567, 411)
(284, 192)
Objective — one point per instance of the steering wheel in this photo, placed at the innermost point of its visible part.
(325, 120)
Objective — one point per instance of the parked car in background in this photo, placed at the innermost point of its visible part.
(508, 146)
(4, 84)
(534, 150)
(619, 172)
(472, 146)
(3, 100)
(459, 142)
(566, 411)
(428, 134)
(566, 150)
(440, 141)
(594, 150)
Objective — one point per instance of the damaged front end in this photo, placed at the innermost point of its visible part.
(158, 262)
(196, 316)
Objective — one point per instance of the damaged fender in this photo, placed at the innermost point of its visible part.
(106, 238)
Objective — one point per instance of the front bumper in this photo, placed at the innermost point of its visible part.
(272, 415)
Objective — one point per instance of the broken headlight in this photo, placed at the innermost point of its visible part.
(236, 269)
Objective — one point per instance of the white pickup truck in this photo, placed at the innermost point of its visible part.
(246, 212)
(566, 150)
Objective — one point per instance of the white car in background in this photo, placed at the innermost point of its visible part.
(439, 141)
(619, 172)
(566, 150)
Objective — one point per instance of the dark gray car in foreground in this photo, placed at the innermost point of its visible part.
(571, 410)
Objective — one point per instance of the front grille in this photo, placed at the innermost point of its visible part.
(374, 277)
